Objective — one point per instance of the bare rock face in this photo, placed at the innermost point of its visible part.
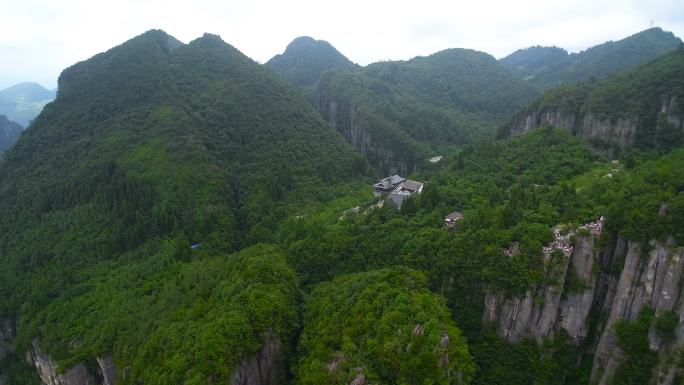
(648, 279)
(536, 313)
(262, 369)
(575, 308)
(47, 369)
(348, 119)
(540, 118)
(609, 136)
(107, 369)
(651, 277)
(671, 113)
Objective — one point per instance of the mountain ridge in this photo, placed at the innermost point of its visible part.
(305, 59)
(547, 66)
(23, 102)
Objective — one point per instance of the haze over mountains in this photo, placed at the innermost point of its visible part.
(180, 214)
(24, 101)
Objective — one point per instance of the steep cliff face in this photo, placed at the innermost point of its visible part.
(264, 368)
(377, 139)
(642, 107)
(47, 369)
(648, 279)
(534, 119)
(553, 304)
(616, 280)
(107, 369)
(609, 136)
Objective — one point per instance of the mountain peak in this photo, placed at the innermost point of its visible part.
(545, 67)
(23, 102)
(305, 59)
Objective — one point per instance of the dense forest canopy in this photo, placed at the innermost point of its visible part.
(400, 113)
(647, 98)
(9, 133)
(545, 67)
(188, 216)
(305, 60)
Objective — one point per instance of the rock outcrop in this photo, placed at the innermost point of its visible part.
(617, 279)
(47, 369)
(264, 368)
(394, 152)
(648, 279)
(107, 369)
(550, 306)
(609, 135)
(78, 374)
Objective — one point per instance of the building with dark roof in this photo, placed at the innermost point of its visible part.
(388, 184)
(405, 190)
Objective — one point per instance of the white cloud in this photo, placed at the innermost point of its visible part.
(38, 38)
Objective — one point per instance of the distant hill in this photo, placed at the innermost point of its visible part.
(24, 101)
(643, 108)
(545, 67)
(149, 148)
(397, 113)
(9, 133)
(305, 59)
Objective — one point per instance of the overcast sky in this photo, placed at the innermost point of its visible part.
(39, 38)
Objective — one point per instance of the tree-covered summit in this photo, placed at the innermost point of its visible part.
(545, 67)
(149, 148)
(305, 59)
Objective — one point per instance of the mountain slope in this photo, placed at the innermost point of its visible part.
(9, 133)
(150, 147)
(545, 67)
(642, 108)
(545, 290)
(401, 112)
(23, 102)
(305, 59)
(383, 327)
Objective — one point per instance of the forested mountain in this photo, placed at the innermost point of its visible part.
(398, 113)
(180, 214)
(9, 133)
(549, 275)
(340, 344)
(24, 101)
(643, 108)
(305, 59)
(151, 147)
(545, 67)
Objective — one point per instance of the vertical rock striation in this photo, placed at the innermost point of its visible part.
(264, 368)
(651, 277)
(47, 369)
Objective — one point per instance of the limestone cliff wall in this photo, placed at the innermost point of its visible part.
(264, 368)
(384, 147)
(608, 135)
(647, 276)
